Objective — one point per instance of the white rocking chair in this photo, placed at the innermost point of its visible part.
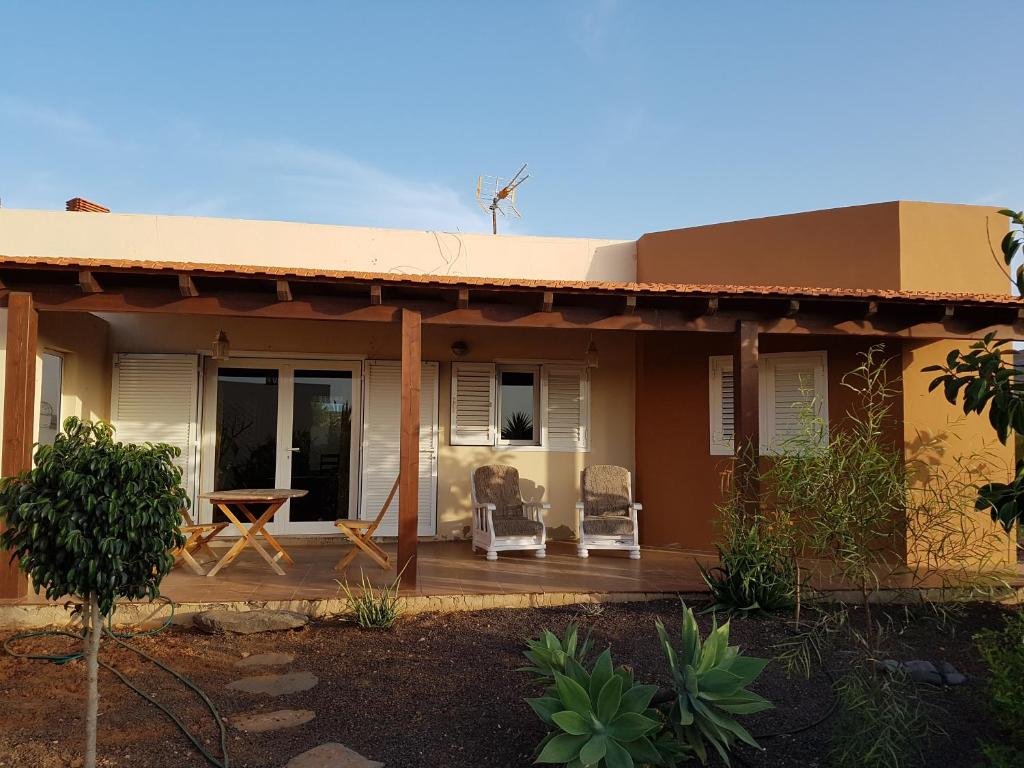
(502, 520)
(606, 518)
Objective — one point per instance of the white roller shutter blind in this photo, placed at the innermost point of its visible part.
(788, 383)
(155, 399)
(722, 405)
(566, 422)
(381, 434)
(473, 404)
(794, 383)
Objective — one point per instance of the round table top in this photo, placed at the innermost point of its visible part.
(254, 495)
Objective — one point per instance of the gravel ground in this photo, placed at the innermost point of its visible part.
(438, 690)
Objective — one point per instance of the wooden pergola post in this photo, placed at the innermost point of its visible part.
(746, 413)
(19, 414)
(409, 446)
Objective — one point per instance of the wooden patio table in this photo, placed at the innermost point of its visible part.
(230, 501)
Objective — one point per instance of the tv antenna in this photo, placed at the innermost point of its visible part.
(495, 194)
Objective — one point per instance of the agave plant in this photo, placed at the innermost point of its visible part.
(600, 719)
(710, 681)
(548, 654)
(517, 426)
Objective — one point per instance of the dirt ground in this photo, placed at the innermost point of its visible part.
(438, 690)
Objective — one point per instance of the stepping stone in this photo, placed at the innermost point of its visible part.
(258, 722)
(275, 685)
(274, 659)
(248, 622)
(332, 755)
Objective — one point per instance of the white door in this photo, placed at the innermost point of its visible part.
(382, 399)
(286, 424)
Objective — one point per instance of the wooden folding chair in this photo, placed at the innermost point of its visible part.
(360, 532)
(197, 541)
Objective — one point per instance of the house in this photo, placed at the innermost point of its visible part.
(329, 358)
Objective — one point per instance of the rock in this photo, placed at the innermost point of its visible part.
(258, 722)
(275, 685)
(950, 674)
(274, 659)
(332, 755)
(248, 622)
(887, 665)
(922, 672)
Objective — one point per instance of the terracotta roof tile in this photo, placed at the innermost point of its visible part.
(673, 289)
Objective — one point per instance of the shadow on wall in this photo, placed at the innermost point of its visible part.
(614, 262)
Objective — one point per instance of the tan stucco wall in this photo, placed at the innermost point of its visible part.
(286, 244)
(937, 435)
(548, 476)
(81, 339)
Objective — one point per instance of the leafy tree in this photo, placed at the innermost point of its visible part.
(96, 520)
(986, 377)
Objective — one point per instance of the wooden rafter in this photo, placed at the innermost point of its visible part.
(462, 302)
(88, 283)
(284, 291)
(187, 286)
(547, 303)
(375, 295)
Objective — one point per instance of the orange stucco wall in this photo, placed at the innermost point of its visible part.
(679, 481)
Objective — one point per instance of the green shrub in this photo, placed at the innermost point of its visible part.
(602, 718)
(549, 653)
(1003, 653)
(882, 721)
(758, 571)
(97, 520)
(373, 608)
(710, 682)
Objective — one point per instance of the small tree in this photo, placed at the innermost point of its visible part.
(97, 520)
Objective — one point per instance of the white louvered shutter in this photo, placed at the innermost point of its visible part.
(795, 384)
(155, 399)
(381, 436)
(472, 404)
(722, 405)
(566, 414)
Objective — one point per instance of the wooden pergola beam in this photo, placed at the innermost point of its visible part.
(409, 445)
(88, 283)
(284, 291)
(630, 307)
(746, 413)
(19, 413)
(187, 286)
(547, 302)
(462, 301)
(375, 296)
(907, 320)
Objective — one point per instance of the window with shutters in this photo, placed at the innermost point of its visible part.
(521, 406)
(790, 385)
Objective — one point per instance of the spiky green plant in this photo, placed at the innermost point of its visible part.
(373, 608)
(710, 682)
(518, 426)
(549, 653)
(600, 719)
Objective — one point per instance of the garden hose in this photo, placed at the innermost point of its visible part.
(120, 638)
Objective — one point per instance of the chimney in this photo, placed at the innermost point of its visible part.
(81, 204)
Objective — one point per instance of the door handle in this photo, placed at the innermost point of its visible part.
(294, 450)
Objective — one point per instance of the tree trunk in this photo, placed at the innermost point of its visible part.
(92, 666)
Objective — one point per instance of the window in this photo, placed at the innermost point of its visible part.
(518, 405)
(788, 383)
(49, 401)
(544, 406)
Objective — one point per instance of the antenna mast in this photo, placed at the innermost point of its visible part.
(495, 195)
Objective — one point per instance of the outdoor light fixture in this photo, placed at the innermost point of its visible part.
(221, 346)
(460, 349)
(591, 354)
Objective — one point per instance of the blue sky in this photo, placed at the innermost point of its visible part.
(633, 116)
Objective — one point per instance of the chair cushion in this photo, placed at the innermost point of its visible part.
(498, 484)
(606, 525)
(516, 526)
(606, 490)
